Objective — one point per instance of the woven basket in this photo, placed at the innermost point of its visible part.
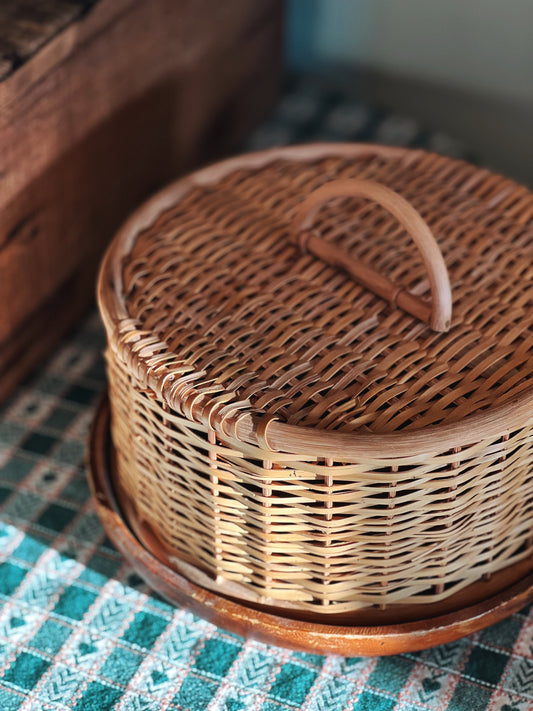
(300, 418)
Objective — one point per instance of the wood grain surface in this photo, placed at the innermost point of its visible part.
(109, 108)
(27, 25)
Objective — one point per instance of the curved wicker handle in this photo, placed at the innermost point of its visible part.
(438, 316)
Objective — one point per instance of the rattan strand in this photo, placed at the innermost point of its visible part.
(210, 302)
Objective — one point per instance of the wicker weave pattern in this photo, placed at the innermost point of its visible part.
(217, 280)
(219, 307)
(329, 534)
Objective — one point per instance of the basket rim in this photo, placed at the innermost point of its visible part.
(269, 433)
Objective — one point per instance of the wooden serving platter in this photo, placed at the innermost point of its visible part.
(365, 633)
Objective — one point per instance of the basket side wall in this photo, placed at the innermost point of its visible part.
(319, 534)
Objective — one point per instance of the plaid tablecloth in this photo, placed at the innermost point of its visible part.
(78, 628)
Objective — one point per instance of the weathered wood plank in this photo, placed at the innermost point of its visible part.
(27, 25)
(7, 59)
(105, 112)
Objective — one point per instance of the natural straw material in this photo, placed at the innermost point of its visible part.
(285, 432)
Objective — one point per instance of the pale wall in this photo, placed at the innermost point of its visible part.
(485, 46)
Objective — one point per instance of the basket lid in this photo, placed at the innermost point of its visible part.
(296, 296)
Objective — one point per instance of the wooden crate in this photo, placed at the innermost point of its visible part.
(97, 109)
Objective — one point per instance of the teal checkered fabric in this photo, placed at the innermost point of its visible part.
(78, 628)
